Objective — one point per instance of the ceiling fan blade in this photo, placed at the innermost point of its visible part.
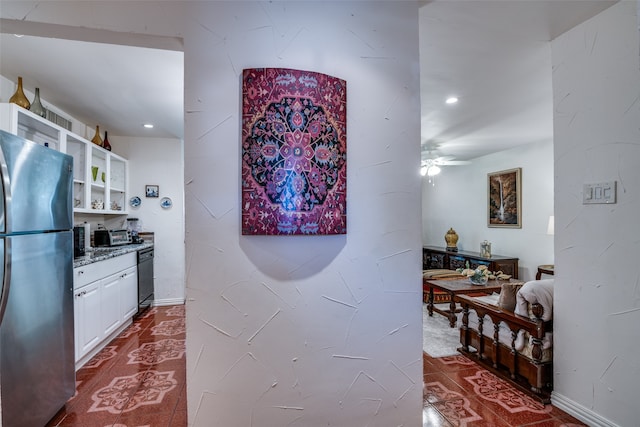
(453, 162)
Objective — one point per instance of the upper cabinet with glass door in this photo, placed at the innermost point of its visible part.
(99, 176)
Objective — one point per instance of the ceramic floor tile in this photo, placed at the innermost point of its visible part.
(179, 419)
(492, 399)
(453, 363)
(438, 387)
(515, 407)
(87, 420)
(432, 418)
(156, 419)
(554, 423)
(138, 379)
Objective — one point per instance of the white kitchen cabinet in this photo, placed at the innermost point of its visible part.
(86, 308)
(100, 177)
(129, 293)
(105, 298)
(110, 303)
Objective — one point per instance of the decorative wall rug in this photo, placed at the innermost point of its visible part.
(294, 153)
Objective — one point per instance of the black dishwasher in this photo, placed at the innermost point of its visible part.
(145, 279)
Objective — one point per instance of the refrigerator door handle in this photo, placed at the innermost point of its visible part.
(6, 275)
(5, 196)
(5, 200)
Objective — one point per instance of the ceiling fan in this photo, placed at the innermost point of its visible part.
(430, 166)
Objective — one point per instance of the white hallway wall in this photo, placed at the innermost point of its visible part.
(305, 331)
(459, 200)
(294, 330)
(596, 82)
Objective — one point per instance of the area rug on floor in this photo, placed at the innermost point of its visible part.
(438, 338)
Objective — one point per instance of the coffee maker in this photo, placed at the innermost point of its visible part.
(134, 227)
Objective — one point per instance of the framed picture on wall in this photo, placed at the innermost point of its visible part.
(152, 191)
(504, 204)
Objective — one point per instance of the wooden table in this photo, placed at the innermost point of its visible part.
(454, 287)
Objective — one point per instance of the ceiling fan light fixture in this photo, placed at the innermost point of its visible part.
(148, 125)
(451, 100)
(433, 170)
(423, 170)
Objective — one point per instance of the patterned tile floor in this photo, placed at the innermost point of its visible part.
(137, 380)
(458, 392)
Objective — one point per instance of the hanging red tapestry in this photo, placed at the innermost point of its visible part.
(294, 152)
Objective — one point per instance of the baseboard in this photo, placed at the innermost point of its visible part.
(168, 301)
(585, 415)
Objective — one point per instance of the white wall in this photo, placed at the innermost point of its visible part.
(305, 331)
(458, 198)
(159, 162)
(596, 82)
(294, 330)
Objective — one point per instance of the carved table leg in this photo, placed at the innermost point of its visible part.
(464, 329)
(452, 313)
(430, 302)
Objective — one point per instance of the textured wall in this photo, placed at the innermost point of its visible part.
(305, 331)
(596, 82)
(297, 331)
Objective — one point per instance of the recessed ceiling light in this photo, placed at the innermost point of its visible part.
(148, 125)
(451, 100)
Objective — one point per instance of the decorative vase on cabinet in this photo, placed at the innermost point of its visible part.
(105, 143)
(452, 239)
(36, 105)
(96, 138)
(19, 97)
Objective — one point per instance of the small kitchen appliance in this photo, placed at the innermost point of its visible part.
(111, 237)
(134, 228)
(78, 241)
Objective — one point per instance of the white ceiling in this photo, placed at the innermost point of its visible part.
(117, 87)
(493, 55)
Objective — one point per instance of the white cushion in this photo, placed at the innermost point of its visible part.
(535, 291)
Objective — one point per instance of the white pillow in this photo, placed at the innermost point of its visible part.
(535, 291)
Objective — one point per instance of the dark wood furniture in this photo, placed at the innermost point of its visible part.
(434, 257)
(530, 375)
(544, 269)
(454, 287)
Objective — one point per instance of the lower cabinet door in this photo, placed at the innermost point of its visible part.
(110, 307)
(129, 293)
(88, 328)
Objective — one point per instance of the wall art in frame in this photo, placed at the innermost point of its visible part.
(294, 153)
(152, 191)
(504, 199)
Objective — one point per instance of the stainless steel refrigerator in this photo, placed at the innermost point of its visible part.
(37, 372)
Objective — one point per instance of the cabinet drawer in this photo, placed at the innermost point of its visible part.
(98, 270)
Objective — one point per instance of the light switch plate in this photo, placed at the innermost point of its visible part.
(599, 193)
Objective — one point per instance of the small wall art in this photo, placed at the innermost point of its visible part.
(504, 199)
(294, 153)
(152, 191)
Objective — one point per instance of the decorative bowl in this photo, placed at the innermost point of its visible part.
(478, 279)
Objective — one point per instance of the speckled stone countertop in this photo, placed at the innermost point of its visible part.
(102, 253)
